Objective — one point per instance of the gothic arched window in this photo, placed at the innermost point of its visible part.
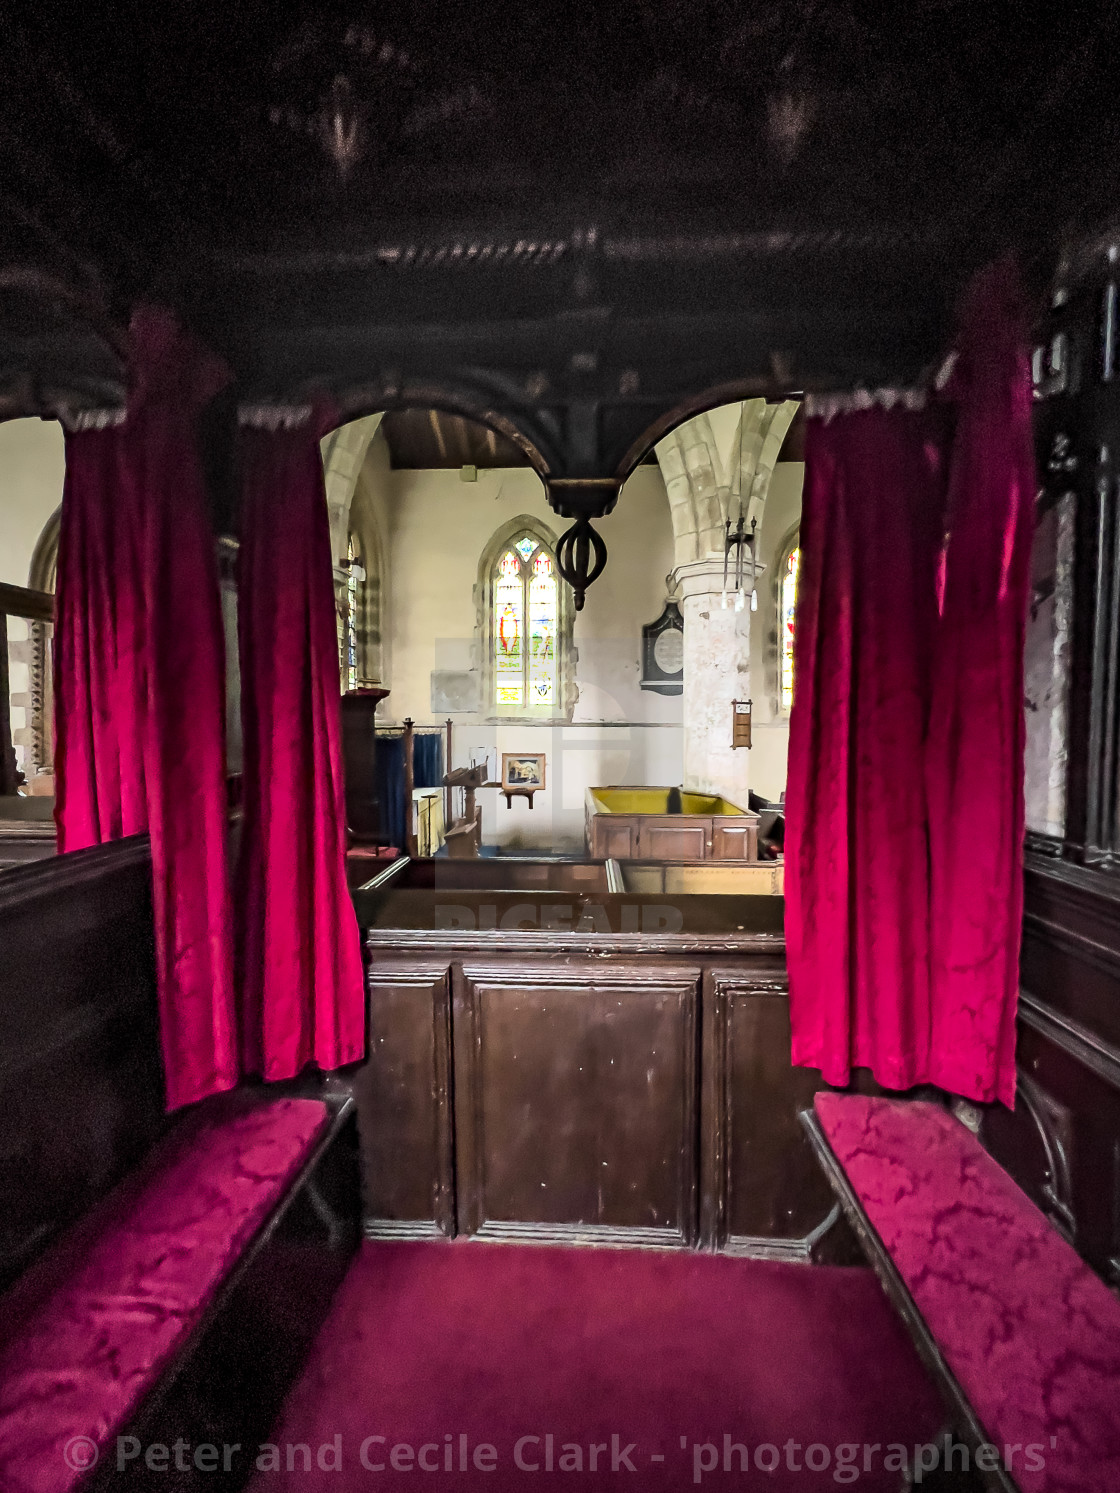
(526, 618)
(787, 621)
(526, 622)
(359, 638)
(354, 577)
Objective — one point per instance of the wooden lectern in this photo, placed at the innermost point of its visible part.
(464, 837)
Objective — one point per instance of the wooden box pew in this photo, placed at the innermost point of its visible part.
(583, 1067)
(491, 873)
(164, 1275)
(1020, 1335)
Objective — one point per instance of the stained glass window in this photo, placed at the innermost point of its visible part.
(787, 622)
(542, 631)
(526, 619)
(509, 620)
(352, 603)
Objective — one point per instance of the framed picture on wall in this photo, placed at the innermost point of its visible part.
(523, 769)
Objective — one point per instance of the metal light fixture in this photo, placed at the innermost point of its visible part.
(581, 554)
(738, 539)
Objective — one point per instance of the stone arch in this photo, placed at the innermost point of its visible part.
(364, 533)
(344, 451)
(43, 575)
(716, 460)
(716, 396)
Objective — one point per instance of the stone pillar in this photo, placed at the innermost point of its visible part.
(717, 670)
(715, 466)
(344, 451)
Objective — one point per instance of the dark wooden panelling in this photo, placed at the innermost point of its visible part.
(502, 873)
(26, 849)
(683, 927)
(1071, 942)
(735, 841)
(403, 1092)
(1062, 1141)
(359, 754)
(81, 1082)
(613, 840)
(674, 838)
(571, 1048)
(1077, 425)
(760, 1180)
(575, 1097)
(1035, 1143)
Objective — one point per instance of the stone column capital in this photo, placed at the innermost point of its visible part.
(705, 577)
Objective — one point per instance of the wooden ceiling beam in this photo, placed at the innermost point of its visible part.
(437, 431)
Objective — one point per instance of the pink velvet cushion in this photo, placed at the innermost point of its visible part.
(96, 1341)
(1032, 1335)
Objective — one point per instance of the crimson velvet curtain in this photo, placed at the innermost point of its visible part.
(139, 685)
(905, 792)
(974, 756)
(300, 953)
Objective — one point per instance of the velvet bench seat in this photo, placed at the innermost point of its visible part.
(1022, 1336)
(96, 1329)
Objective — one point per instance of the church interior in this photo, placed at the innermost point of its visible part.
(559, 747)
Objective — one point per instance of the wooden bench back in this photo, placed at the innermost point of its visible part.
(81, 1081)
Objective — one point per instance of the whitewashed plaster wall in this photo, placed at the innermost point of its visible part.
(433, 529)
(769, 725)
(32, 468)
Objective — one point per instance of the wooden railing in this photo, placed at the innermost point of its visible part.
(32, 606)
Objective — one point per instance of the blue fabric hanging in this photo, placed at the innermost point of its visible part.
(427, 760)
(427, 755)
(389, 774)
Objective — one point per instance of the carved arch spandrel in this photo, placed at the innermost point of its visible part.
(707, 476)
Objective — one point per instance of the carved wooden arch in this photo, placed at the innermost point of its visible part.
(527, 432)
(537, 433)
(360, 414)
(703, 402)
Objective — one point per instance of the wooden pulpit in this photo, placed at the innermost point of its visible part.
(359, 755)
